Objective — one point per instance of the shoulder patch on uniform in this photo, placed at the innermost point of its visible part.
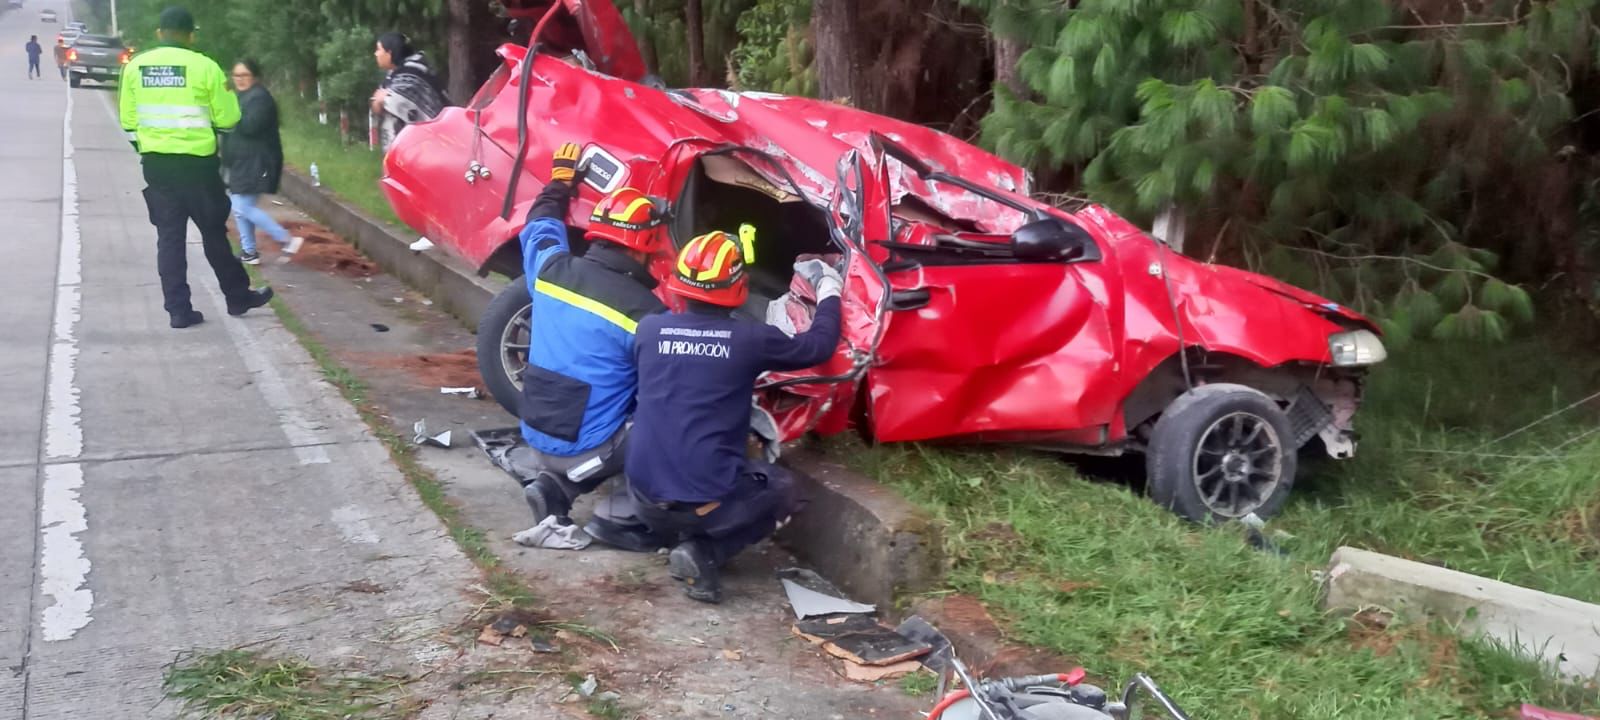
(164, 76)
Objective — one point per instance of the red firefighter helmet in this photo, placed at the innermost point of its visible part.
(711, 269)
(628, 218)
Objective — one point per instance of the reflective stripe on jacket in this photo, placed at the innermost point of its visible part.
(579, 384)
(174, 100)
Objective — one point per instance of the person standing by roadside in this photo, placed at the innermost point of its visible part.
(410, 91)
(173, 102)
(34, 52)
(252, 156)
(61, 56)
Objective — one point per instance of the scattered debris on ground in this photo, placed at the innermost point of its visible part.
(422, 437)
(810, 595)
(325, 250)
(849, 630)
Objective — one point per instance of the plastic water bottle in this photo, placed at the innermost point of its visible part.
(316, 177)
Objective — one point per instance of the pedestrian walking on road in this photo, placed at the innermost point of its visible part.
(252, 156)
(34, 52)
(410, 92)
(173, 102)
(61, 56)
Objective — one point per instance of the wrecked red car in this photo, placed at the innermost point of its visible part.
(973, 313)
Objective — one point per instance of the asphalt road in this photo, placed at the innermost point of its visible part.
(166, 491)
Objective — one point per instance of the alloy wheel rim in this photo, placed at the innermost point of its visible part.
(514, 340)
(1237, 464)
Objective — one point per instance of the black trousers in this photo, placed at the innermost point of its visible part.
(766, 496)
(183, 188)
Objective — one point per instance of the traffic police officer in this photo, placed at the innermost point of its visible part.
(173, 102)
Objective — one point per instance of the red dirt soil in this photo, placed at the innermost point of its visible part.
(457, 369)
(324, 250)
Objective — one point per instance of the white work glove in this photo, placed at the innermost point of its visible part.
(822, 277)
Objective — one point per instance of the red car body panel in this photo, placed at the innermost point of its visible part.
(1011, 352)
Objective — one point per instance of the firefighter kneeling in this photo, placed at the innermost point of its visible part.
(687, 465)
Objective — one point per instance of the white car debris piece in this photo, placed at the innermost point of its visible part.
(470, 393)
(421, 437)
(811, 595)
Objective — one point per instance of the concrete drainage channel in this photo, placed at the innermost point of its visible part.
(878, 547)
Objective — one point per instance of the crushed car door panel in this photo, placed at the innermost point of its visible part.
(997, 348)
(820, 398)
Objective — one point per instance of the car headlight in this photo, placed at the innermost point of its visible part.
(1356, 348)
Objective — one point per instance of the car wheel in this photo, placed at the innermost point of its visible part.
(1221, 452)
(76, 81)
(503, 334)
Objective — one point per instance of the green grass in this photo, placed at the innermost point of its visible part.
(1096, 572)
(349, 170)
(248, 686)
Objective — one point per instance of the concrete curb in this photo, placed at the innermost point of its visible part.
(864, 537)
(861, 535)
(445, 279)
(1563, 631)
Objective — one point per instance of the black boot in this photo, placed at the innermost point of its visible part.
(692, 562)
(545, 498)
(178, 321)
(255, 299)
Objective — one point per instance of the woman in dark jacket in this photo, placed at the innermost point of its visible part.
(252, 156)
(410, 92)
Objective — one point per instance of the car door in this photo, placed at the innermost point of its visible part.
(980, 344)
(820, 398)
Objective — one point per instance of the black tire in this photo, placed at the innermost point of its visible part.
(75, 80)
(504, 383)
(1220, 452)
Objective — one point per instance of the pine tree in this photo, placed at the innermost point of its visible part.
(1334, 129)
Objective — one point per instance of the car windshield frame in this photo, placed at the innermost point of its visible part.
(99, 41)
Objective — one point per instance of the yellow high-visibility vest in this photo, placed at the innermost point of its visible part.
(174, 100)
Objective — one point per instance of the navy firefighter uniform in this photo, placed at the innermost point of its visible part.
(687, 462)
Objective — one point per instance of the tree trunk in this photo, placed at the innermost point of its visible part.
(837, 63)
(697, 43)
(647, 43)
(462, 82)
(1007, 53)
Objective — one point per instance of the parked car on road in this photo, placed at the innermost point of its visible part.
(96, 57)
(78, 25)
(48, 16)
(972, 311)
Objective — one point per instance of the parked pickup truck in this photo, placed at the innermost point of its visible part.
(96, 57)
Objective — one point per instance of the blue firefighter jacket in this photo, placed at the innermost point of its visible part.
(578, 388)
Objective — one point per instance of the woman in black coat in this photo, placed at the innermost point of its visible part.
(252, 157)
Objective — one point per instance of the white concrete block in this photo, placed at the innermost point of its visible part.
(1564, 631)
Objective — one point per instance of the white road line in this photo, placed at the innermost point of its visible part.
(63, 567)
(300, 431)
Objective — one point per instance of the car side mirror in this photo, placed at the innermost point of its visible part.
(1050, 240)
